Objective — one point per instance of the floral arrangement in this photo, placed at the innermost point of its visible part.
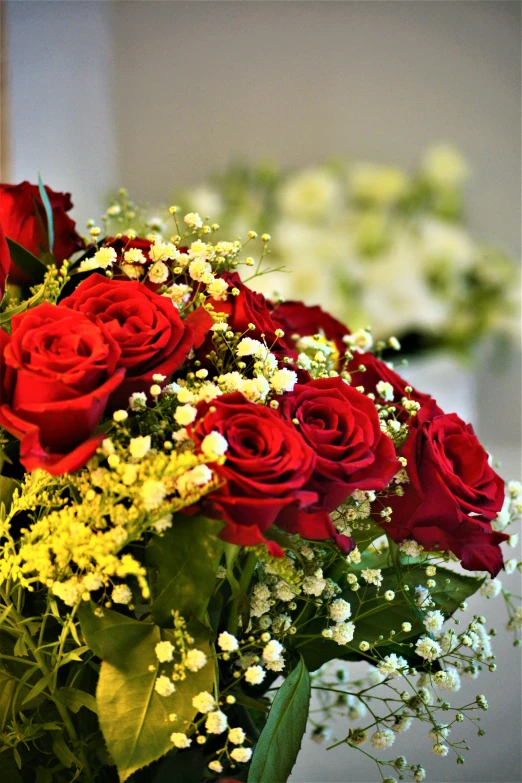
(371, 243)
(208, 503)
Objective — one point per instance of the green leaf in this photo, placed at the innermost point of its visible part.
(7, 689)
(74, 655)
(281, 538)
(44, 775)
(75, 699)
(231, 555)
(280, 741)
(17, 758)
(16, 678)
(252, 704)
(20, 648)
(62, 752)
(9, 767)
(107, 636)
(379, 616)
(24, 260)
(182, 567)
(451, 590)
(133, 718)
(7, 488)
(366, 532)
(188, 767)
(21, 308)
(48, 212)
(38, 688)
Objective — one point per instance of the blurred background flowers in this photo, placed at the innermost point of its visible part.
(375, 244)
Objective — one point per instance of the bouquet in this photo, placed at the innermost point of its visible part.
(210, 502)
(372, 243)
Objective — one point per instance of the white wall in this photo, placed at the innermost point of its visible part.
(61, 116)
(199, 84)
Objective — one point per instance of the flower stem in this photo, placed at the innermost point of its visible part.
(246, 576)
(18, 622)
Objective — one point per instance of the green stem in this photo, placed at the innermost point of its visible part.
(246, 576)
(40, 660)
(63, 638)
(396, 559)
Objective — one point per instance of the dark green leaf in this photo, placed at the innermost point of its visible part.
(74, 699)
(7, 689)
(48, 212)
(9, 767)
(20, 648)
(44, 775)
(366, 532)
(281, 538)
(17, 758)
(182, 565)
(38, 687)
(24, 685)
(134, 719)
(280, 741)
(188, 767)
(24, 260)
(7, 488)
(62, 752)
(109, 635)
(451, 590)
(231, 555)
(74, 655)
(22, 674)
(21, 308)
(252, 704)
(379, 616)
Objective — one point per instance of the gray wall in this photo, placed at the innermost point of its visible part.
(301, 81)
(155, 94)
(60, 112)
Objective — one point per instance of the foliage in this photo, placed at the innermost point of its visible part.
(280, 740)
(374, 244)
(155, 623)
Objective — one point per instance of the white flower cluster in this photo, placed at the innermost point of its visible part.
(181, 654)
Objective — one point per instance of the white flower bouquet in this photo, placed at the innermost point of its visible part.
(372, 243)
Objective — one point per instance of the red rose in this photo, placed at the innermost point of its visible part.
(298, 318)
(132, 268)
(377, 371)
(5, 261)
(60, 369)
(250, 307)
(342, 426)
(125, 243)
(147, 327)
(22, 214)
(121, 246)
(266, 470)
(453, 492)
